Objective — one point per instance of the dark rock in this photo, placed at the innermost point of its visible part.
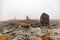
(44, 20)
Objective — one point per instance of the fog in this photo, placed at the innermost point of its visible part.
(19, 9)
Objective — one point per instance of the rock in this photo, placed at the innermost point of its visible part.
(38, 31)
(44, 19)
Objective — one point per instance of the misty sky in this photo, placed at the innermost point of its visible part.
(32, 8)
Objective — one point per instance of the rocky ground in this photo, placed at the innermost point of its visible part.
(18, 32)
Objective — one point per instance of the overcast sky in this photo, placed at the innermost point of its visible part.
(32, 8)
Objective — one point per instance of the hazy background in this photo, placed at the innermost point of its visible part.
(32, 8)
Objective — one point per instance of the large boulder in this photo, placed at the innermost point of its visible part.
(44, 19)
